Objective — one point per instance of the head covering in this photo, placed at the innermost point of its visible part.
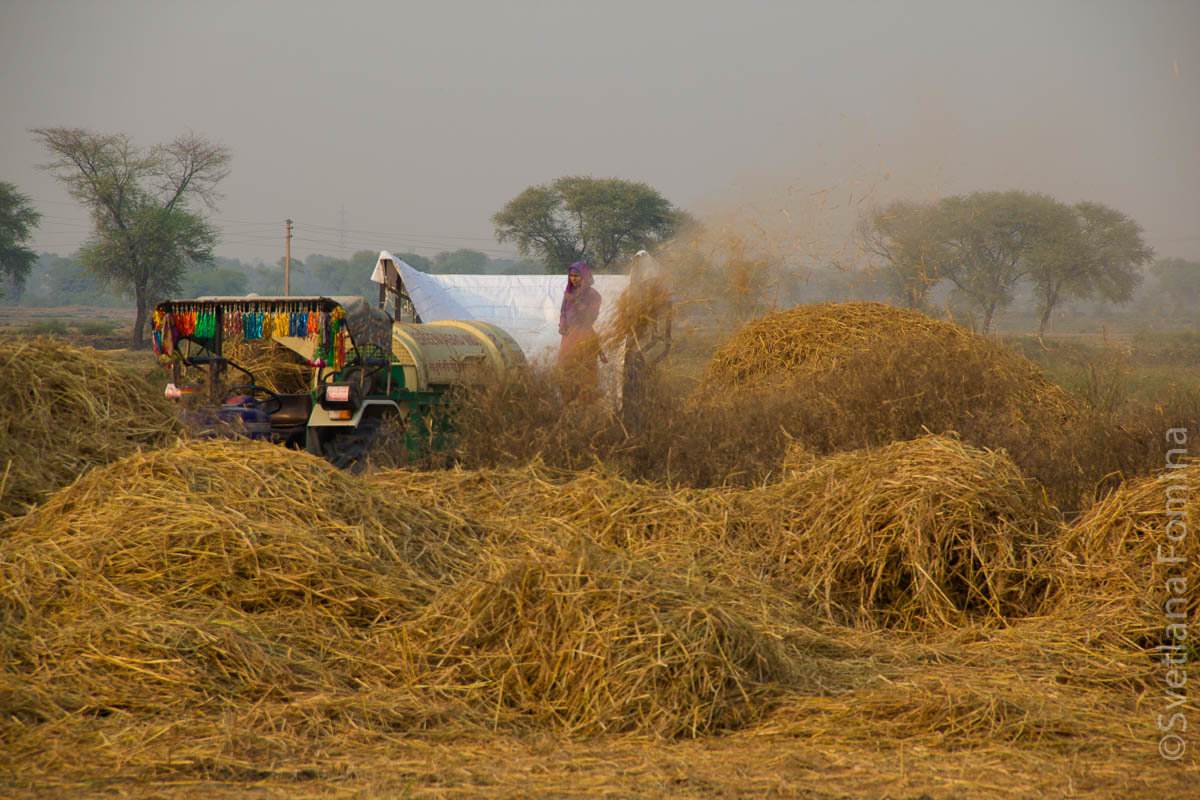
(585, 275)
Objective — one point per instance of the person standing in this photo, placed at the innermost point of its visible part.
(580, 347)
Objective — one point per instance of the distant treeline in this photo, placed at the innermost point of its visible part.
(1167, 296)
(61, 280)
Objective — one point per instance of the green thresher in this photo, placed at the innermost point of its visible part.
(370, 373)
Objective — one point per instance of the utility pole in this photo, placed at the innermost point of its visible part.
(287, 262)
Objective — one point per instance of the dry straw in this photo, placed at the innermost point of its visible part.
(273, 366)
(865, 374)
(811, 339)
(817, 540)
(915, 533)
(1112, 566)
(962, 707)
(234, 611)
(924, 532)
(580, 637)
(699, 533)
(237, 597)
(638, 311)
(208, 570)
(65, 410)
(943, 367)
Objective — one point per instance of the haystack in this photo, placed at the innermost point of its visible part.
(584, 638)
(812, 339)
(854, 375)
(702, 533)
(65, 410)
(212, 570)
(924, 532)
(537, 499)
(892, 355)
(1114, 571)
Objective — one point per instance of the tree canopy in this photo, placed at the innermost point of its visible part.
(1098, 256)
(1179, 280)
(146, 236)
(905, 237)
(17, 221)
(577, 218)
(459, 262)
(986, 243)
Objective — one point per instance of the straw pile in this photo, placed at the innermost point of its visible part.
(700, 533)
(234, 570)
(273, 366)
(64, 410)
(924, 532)
(959, 707)
(812, 339)
(235, 611)
(236, 603)
(853, 375)
(893, 356)
(820, 538)
(1107, 570)
(539, 501)
(573, 635)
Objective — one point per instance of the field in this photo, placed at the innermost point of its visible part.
(852, 553)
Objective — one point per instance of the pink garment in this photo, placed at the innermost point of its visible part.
(580, 345)
(580, 306)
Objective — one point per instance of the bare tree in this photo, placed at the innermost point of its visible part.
(146, 237)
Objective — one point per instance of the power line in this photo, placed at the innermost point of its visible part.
(260, 234)
(395, 235)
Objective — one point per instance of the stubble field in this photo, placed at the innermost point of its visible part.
(854, 553)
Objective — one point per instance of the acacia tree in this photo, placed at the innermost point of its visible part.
(985, 243)
(994, 240)
(1100, 256)
(146, 237)
(1179, 281)
(17, 221)
(905, 237)
(599, 220)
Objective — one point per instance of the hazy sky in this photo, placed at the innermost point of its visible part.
(406, 125)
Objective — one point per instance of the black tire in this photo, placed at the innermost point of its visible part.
(379, 438)
(348, 448)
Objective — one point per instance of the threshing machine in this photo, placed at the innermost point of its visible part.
(367, 370)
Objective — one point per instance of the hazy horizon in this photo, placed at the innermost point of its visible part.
(380, 125)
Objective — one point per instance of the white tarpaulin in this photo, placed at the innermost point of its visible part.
(526, 306)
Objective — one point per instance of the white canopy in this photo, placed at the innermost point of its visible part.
(526, 306)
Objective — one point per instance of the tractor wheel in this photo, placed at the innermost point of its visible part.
(350, 448)
(347, 448)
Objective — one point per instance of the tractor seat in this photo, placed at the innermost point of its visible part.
(295, 410)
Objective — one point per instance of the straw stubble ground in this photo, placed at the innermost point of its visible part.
(913, 619)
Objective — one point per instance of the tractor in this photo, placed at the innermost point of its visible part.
(370, 374)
